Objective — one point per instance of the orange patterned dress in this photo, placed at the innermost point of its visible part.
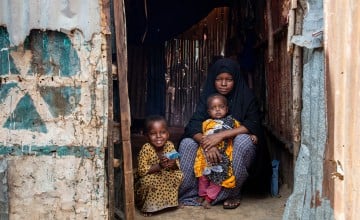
(210, 126)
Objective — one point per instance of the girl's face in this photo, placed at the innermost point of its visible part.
(158, 134)
(224, 83)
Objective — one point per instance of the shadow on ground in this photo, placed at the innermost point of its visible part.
(252, 208)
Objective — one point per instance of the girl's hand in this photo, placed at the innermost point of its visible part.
(171, 164)
(211, 140)
(213, 156)
(163, 162)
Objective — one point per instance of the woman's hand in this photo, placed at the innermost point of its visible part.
(213, 155)
(211, 140)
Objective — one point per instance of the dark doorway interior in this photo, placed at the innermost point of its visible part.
(171, 45)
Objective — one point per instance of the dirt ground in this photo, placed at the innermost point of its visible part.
(252, 208)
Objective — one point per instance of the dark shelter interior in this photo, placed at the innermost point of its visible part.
(171, 45)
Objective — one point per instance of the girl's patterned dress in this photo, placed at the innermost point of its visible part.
(156, 191)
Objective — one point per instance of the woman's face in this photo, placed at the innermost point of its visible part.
(224, 83)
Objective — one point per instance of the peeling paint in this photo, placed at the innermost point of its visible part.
(61, 101)
(50, 97)
(7, 66)
(53, 121)
(25, 117)
(4, 197)
(53, 54)
(59, 151)
(59, 15)
(5, 89)
(44, 187)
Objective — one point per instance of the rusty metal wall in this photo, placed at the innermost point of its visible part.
(278, 92)
(187, 59)
(342, 59)
(278, 100)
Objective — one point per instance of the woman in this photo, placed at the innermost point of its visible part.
(224, 78)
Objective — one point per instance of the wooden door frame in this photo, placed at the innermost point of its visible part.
(124, 106)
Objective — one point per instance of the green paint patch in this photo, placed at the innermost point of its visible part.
(53, 54)
(61, 100)
(5, 89)
(61, 151)
(25, 117)
(7, 65)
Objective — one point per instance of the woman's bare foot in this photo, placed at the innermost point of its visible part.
(206, 204)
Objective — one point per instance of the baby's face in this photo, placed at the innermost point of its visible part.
(217, 108)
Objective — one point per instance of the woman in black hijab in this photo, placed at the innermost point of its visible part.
(224, 78)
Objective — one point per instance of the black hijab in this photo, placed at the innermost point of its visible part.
(242, 102)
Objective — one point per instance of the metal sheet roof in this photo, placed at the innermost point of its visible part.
(64, 15)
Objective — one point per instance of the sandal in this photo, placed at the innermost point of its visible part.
(231, 203)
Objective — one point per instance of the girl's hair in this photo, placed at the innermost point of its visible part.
(151, 119)
(217, 95)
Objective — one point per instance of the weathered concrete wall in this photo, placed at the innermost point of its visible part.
(3, 190)
(53, 120)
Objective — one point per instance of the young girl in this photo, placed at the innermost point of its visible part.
(158, 169)
(214, 176)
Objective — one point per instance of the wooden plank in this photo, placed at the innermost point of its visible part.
(121, 54)
(270, 30)
(106, 23)
(296, 80)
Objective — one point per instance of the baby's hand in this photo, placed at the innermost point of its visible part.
(254, 139)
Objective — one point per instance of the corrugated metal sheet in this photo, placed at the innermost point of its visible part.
(63, 15)
(188, 58)
(342, 50)
(278, 106)
(278, 87)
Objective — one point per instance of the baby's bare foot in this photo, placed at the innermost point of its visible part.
(206, 204)
(200, 200)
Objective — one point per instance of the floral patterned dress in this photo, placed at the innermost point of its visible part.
(225, 177)
(156, 191)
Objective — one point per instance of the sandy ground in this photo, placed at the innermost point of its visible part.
(266, 208)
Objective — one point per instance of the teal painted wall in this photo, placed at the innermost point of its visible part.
(53, 121)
